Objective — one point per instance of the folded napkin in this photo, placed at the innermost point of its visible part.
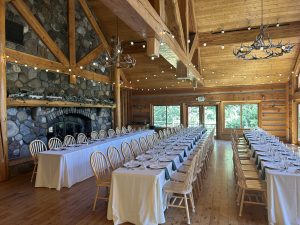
(174, 168)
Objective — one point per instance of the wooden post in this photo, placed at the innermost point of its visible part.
(3, 113)
(117, 98)
(72, 39)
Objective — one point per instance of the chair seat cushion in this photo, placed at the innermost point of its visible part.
(179, 177)
(177, 187)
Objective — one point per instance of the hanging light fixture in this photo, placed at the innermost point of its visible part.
(117, 58)
(260, 49)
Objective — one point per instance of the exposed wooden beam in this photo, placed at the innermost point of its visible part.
(3, 100)
(192, 17)
(123, 77)
(94, 23)
(194, 47)
(117, 95)
(182, 38)
(92, 55)
(243, 36)
(143, 17)
(159, 6)
(24, 11)
(153, 47)
(45, 64)
(184, 13)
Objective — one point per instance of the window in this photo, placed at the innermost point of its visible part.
(210, 117)
(166, 116)
(241, 116)
(193, 116)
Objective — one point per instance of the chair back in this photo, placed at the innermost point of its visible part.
(94, 135)
(81, 138)
(36, 147)
(155, 138)
(102, 134)
(54, 143)
(118, 131)
(150, 141)
(124, 130)
(69, 140)
(100, 165)
(127, 152)
(136, 148)
(189, 178)
(165, 133)
(161, 135)
(114, 157)
(129, 128)
(111, 133)
(144, 144)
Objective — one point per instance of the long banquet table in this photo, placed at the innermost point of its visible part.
(283, 181)
(65, 168)
(136, 195)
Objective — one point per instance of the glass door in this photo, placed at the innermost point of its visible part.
(193, 116)
(210, 117)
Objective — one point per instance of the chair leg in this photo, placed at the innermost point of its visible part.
(33, 172)
(192, 201)
(96, 198)
(187, 209)
(242, 203)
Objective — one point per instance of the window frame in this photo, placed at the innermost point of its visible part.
(166, 122)
(258, 103)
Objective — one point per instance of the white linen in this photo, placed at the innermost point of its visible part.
(283, 198)
(283, 187)
(57, 169)
(137, 196)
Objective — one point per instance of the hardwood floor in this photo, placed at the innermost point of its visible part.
(21, 203)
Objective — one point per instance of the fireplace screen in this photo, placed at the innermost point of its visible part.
(70, 124)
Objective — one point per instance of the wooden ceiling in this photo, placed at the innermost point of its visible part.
(218, 66)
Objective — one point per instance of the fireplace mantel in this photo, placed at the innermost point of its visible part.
(44, 103)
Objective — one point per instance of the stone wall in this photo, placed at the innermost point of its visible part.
(26, 124)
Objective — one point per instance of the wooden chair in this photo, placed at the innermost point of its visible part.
(156, 139)
(111, 133)
(144, 144)
(150, 141)
(102, 173)
(114, 157)
(129, 128)
(94, 135)
(165, 133)
(249, 191)
(35, 147)
(127, 152)
(102, 134)
(69, 140)
(178, 193)
(81, 138)
(124, 130)
(118, 131)
(161, 135)
(136, 148)
(54, 143)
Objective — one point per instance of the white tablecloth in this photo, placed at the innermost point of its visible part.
(283, 188)
(283, 198)
(57, 169)
(137, 196)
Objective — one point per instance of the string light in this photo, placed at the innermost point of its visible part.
(81, 67)
(132, 43)
(35, 68)
(204, 44)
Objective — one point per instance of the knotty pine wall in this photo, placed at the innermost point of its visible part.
(272, 100)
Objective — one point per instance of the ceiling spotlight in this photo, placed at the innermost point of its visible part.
(223, 31)
(175, 75)
(222, 46)
(57, 71)
(173, 36)
(47, 70)
(35, 68)
(146, 78)
(277, 25)
(81, 67)
(131, 43)
(16, 61)
(70, 70)
(249, 28)
(204, 44)
(137, 80)
(25, 65)
(144, 46)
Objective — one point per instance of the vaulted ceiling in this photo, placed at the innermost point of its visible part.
(218, 66)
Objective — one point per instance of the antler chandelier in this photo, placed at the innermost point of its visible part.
(260, 49)
(117, 58)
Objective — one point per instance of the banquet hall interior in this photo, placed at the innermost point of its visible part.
(150, 112)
